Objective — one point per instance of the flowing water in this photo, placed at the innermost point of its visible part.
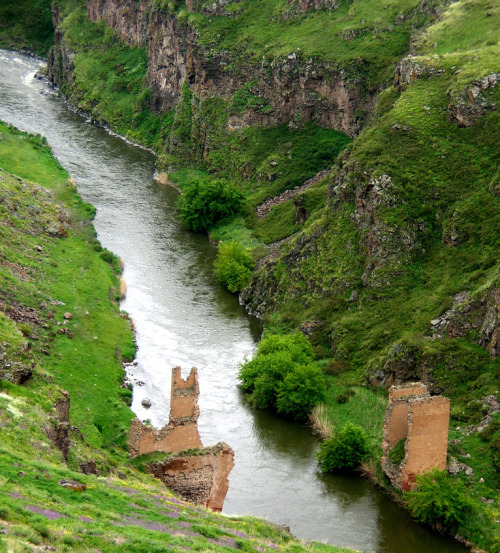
(184, 318)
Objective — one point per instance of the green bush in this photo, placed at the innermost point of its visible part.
(282, 378)
(233, 266)
(346, 450)
(439, 500)
(345, 396)
(207, 201)
(300, 391)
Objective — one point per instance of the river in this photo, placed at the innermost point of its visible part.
(183, 317)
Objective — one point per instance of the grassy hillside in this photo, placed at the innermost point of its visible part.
(362, 37)
(58, 290)
(409, 235)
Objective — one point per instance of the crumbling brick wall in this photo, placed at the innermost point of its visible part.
(181, 432)
(423, 420)
(200, 479)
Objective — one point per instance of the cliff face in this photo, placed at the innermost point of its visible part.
(393, 209)
(292, 88)
(60, 58)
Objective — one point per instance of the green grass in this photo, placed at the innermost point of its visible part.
(109, 79)
(88, 366)
(367, 277)
(359, 36)
(375, 323)
(235, 230)
(184, 177)
(109, 83)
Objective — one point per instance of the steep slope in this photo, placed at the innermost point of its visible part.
(398, 279)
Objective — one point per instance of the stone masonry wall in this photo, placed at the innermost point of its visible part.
(201, 479)
(181, 432)
(423, 420)
(427, 442)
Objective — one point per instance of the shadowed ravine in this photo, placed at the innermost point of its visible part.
(183, 317)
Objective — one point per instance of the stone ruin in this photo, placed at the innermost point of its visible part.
(200, 476)
(181, 431)
(422, 420)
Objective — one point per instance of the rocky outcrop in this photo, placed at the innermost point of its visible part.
(291, 88)
(469, 313)
(13, 370)
(215, 7)
(60, 62)
(379, 250)
(60, 431)
(471, 103)
(304, 5)
(127, 16)
(202, 478)
(411, 68)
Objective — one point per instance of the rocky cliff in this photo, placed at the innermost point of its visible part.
(292, 88)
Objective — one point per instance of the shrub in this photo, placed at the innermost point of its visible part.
(233, 266)
(335, 367)
(282, 378)
(346, 450)
(439, 500)
(207, 201)
(345, 396)
(300, 391)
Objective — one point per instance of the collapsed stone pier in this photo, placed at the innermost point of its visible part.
(422, 420)
(181, 431)
(197, 474)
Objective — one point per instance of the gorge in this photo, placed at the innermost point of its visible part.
(363, 141)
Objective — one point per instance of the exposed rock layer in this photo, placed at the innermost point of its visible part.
(291, 87)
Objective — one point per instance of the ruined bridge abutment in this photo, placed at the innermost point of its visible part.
(201, 478)
(422, 420)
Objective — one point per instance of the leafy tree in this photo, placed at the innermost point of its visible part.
(207, 201)
(346, 450)
(282, 378)
(300, 391)
(233, 266)
(439, 499)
